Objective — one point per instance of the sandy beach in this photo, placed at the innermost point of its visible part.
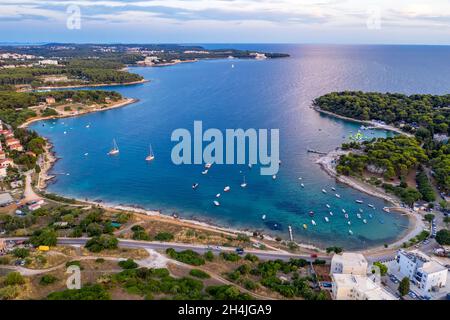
(328, 164)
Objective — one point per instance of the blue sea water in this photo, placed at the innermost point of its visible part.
(253, 94)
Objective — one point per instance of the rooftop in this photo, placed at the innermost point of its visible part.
(364, 285)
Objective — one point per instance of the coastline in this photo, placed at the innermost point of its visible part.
(77, 86)
(124, 102)
(374, 125)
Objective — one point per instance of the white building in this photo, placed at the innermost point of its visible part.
(349, 263)
(48, 62)
(425, 272)
(350, 281)
(357, 287)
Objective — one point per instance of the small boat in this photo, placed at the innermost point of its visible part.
(370, 216)
(88, 126)
(218, 195)
(346, 216)
(358, 215)
(359, 201)
(150, 156)
(274, 176)
(364, 221)
(216, 203)
(349, 223)
(205, 172)
(313, 222)
(343, 211)
(226, 189)
(300, 178)
(350, 232)
(244, 184)
(195, 186)
(324, 191)
(86, 154)
(371, 206)
(326, 219)
(208, 166)
(115, 150)
(302, 185)
(338, 195)
(328, 206)
(305, 226)
(263, 217)
(311, 213)
(361, 210)
(65, 132)
(331, 213)
(333, 188)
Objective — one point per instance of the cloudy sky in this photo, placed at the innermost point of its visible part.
(226, 21)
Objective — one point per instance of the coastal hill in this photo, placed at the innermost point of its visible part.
(425, 156)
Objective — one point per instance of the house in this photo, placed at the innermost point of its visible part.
(5, 199)
(6, 163)
(48, 62)
(50, 100)
(3, 172)
(9, 134)
(357, 287)
(11, 141)
(2, 246)
(350, 280)
(34, 206)
(16, 146)
(427, 273)
(2, 155)
(349, 263)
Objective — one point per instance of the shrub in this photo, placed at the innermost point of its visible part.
(47, 279)
(209, 256)
(199, 274)
(230, 256)
(251, 257)
(104, 242)
(164, 236)
(14, 278)
(44, 237)
(88, 292)
(128, 264)
(186, 256)
(21, 253)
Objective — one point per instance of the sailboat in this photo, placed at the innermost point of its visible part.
(244, 184)
(313, 222)
(326, 219)
(216, 203)
(150, 156)
(115, 150)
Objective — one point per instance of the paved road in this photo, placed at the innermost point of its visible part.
(264, 255)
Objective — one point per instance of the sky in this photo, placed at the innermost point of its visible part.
(226, 21)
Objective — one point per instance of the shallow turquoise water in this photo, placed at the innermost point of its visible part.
(253, 94)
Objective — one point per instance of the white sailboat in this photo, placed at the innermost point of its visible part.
(313, 222)
(331, 213)
(226, 189)
(150, 156)
(218, 195)
(115, 150)
(302, 185)
(324, 191)
(263, 217)
(350, 232)
(326, 219)
(216, 203)
(328, 206)
(244, 184)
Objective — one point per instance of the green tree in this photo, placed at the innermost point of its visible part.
(44, 237)
(403, 287)
(443, 237)
(383, 268)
